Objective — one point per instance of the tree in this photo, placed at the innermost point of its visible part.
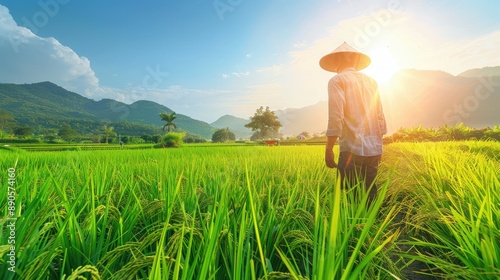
(67, 133)
(169, 119)
(493, 133)
(255, 136)
(193, 138)
(108, 131)
(7, 121)
(50, 135)
(23, 131)
(95, 137)
(265, 123)
(155, 138)
(146, 137)
(223, 135)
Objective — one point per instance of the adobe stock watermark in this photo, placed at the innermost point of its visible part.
(471, 103)
(48, 9)
(11, 219)
(375, 25)
(223, 6)
(153, 78)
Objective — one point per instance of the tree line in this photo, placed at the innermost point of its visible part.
(455, 132)
(264, 123)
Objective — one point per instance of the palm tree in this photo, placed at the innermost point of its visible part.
(108, 132)
(169, 118)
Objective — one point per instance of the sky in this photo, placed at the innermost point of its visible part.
(209, 58)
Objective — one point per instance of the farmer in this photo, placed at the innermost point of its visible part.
(355, 118)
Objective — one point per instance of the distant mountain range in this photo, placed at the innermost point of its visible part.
(294, 120)
(417, 97)
(48, 105)
(235, 124)
(486, 71)
(435, 98)
(411, 98)
(311, 119)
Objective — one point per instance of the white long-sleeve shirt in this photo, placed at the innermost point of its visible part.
(355, 113)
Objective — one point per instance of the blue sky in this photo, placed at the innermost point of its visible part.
(209, 58)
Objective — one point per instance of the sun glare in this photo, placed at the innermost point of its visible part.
(383, 65)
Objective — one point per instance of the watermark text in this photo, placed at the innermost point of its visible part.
(11, 219)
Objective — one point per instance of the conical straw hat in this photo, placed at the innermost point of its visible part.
(331, 61)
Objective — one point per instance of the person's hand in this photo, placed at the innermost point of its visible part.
(330, 159)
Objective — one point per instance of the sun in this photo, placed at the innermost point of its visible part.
(383, 65)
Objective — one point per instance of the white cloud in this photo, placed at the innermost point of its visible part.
(458, 56)
(240, 74)
(201, 104)
(275, 69)
(249, 55)
(235, 74)
(205, 104)
(28, 58)
(300, 45)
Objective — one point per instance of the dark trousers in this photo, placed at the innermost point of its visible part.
(356, 169)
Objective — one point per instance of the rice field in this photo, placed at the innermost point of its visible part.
(249, 212)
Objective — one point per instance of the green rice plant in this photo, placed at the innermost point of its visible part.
(458, 202)
(352, 239)
(250, 212)
(88, 269)
(162, 262)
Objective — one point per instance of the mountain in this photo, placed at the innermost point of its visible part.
(147, 112)
(43, 99)
(434, 98)
(485, 72)
(48, 105)
(418, 97)
(312, 119)
(235, 124)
